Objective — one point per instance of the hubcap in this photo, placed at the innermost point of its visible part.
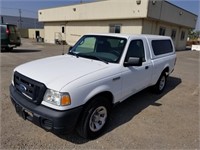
(162, 83)
(98, 119)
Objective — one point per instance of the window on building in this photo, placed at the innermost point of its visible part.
(182, 35)
(63, 29)
(173, 34)
(115, 28)
(162, 31)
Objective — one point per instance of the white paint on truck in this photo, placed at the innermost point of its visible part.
(113, 64)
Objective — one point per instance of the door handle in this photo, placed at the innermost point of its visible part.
(117, 78)
(146, 67)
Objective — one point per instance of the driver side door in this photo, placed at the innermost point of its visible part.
(136, 78)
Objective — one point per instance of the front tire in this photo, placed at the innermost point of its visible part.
(94, 118)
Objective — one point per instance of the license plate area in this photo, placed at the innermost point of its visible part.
(25, 114)
(28, 114)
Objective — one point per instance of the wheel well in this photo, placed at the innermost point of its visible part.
(106, 94)
(166, 70)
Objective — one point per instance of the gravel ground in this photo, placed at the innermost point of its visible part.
(144, 121)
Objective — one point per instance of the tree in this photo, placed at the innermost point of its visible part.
(193, 35)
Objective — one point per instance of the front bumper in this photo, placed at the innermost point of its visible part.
(58, 122)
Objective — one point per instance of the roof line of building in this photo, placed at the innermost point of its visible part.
(149, 18)
(103, 19)
(73, 4)
(106, 0)
(181, 8)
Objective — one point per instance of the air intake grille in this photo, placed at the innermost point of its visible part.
(30, 89)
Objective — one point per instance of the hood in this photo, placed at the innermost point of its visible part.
(56, 72)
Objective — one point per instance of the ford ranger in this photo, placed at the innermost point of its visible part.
(78, 90)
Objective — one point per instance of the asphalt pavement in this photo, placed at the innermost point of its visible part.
(144, 121)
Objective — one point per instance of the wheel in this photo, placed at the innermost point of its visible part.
(94, 118)
(161, 83)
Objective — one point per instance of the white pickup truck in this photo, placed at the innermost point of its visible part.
(78, 90)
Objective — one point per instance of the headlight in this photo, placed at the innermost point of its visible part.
(57, 98)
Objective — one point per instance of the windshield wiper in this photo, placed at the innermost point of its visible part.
(74, 54)
(98, 58)
(88, 56)
(93, 57)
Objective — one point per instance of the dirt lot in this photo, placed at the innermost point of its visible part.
(168, 121)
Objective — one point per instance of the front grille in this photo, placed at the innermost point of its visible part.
(47, 124)
(30, 89)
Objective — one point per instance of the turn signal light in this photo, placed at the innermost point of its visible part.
(65, 100)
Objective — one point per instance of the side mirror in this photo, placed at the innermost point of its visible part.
(133, 61)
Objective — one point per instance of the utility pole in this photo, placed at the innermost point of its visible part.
(2, 21)
(20, 18)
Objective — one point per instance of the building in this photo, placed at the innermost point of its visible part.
(32, 33)
(159, 17)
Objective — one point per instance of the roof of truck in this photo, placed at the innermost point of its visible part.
(127, 36)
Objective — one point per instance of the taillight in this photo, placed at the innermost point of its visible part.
(7, 31)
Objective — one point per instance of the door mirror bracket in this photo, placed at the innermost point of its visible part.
(133, 61)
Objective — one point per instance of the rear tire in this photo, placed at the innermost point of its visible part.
(161, 83)
(94, 118)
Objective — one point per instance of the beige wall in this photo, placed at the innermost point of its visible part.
(74, 30)
(152, 27)
(165, 11)
(181, 44)
(31, 33)
(96, 17)
(103, 10)
(53, 31)
(23, 33)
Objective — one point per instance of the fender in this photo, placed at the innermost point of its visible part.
(98, 90)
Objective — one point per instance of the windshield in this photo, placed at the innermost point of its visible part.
(102, 48)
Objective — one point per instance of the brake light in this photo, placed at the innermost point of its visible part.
(7, 31)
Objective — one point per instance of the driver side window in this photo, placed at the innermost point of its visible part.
(135, 49)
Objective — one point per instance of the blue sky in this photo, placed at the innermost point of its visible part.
(29, 8)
